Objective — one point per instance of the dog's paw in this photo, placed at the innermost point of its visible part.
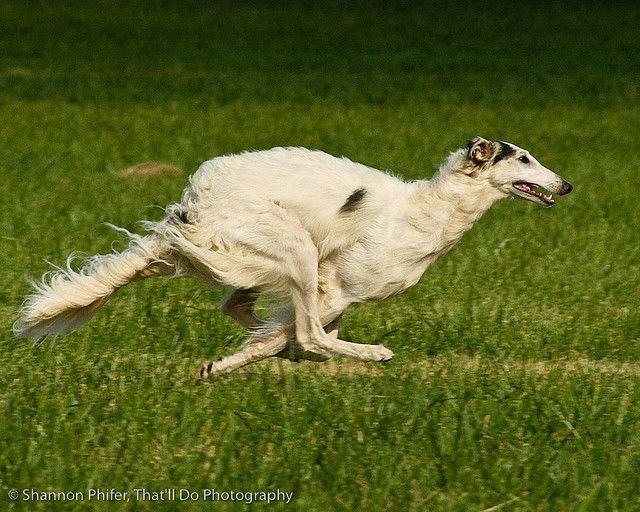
(207, 370)
(383, 354)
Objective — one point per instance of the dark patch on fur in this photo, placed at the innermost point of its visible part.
(183, 217)
(504, 151)
(354, 200)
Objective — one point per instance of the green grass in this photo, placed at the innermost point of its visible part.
(516, 381)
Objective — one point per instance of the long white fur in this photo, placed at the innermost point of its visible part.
(275, 222)
(66, 299)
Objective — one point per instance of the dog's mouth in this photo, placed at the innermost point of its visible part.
(533, 192)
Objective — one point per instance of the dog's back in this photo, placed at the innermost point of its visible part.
(334, 199)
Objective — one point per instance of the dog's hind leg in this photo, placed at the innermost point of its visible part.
(271, 252)
(238, 304)
(261, 347)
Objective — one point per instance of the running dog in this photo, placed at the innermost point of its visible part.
(320, 231)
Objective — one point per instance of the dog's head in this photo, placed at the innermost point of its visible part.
(513, 171)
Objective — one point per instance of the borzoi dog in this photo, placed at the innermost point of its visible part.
(321, 231)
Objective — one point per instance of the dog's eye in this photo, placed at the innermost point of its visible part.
(523, 159)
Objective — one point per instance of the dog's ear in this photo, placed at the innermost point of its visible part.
(480, 150)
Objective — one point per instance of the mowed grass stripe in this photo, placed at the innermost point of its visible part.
(463, 363)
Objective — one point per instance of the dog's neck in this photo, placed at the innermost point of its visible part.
(447, 206)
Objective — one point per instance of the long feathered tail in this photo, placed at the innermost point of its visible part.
(66, 299)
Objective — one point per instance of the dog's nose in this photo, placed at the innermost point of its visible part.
(566, 188)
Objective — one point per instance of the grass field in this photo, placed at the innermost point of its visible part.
(516, 381)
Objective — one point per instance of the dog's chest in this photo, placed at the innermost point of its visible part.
(394, 283)
(383, 275)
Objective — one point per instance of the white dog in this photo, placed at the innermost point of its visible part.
(322, 231)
